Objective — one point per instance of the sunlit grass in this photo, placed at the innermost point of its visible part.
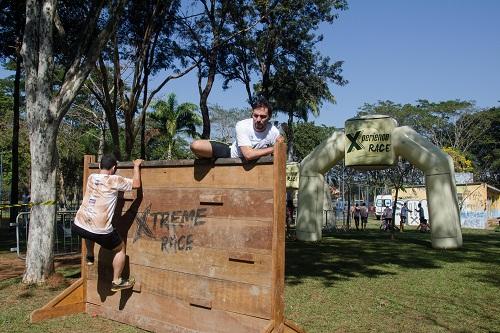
(364, 282)
(348, 282)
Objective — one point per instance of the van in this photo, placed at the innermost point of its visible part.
(382, 201)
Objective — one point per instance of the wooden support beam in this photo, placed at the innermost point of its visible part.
(70, 301)
(278, 242)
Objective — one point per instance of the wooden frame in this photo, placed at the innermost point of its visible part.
(206, 242)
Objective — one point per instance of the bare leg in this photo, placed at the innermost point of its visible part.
(119, 261)
(202, 148)
(90, 247)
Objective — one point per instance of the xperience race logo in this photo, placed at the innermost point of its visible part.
(354, 141)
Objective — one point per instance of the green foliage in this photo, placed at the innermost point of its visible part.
(6, 118)
(171, 120)
(224, 121)
(282, 52)
(468, 133)
(308, 136)
(460, 161)
(486, 150)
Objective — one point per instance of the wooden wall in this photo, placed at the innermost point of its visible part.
(205, 243)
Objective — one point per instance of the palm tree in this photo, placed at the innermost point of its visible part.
(172, 119)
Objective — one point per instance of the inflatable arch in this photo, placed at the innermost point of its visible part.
(374, 142)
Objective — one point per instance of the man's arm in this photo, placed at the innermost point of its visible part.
(250, 153)
(136, 180)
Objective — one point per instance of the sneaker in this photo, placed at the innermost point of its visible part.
(124, 284)
(90, 260)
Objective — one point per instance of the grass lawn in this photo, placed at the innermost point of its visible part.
(348, 282)
(364, 282)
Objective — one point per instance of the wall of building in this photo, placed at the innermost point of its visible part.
(478, 202)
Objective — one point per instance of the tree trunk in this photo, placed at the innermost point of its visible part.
(144, 102)
(348, 207)
(62, 192)
(39, 255)
(45, 110)
(102, 138)
(205, 92)
(14, 187)
(169, 151)
(289, 136)
(394, 214)
(129, 138)
(115, 133)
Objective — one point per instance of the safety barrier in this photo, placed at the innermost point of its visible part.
(65, 242)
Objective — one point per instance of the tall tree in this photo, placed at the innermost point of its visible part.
(486, 148)
(47, 104)
(204, 33)
(309, 136)
(446, 124)
(12, 20)
(282, 53)
(172, 119)
(223, 122)
(143, 46)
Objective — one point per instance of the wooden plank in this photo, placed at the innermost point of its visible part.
(269, 328)
(278, 246)
(194, 163)
(215, 263)
(230, 203)
(167, 314)
(222, 295)
(60, 311)
(69, 301)
(205, 176)
(176, 235)
(87, 160)
(291, 327)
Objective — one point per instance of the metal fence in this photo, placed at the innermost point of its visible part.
(334, 220)
(65, 241)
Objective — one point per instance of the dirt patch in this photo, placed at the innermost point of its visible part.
(12, 266)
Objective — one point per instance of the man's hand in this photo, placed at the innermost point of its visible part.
(136, 181)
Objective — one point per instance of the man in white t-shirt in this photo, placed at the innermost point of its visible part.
(255, 137)
(93, 219)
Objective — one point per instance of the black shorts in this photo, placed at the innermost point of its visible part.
(220, 150)
(108, 241)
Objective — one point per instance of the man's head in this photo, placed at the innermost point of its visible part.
(261, 113)
(108, 163)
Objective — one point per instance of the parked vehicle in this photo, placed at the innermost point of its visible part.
(382, 201)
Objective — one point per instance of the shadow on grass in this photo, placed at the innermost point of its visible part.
(342, 256)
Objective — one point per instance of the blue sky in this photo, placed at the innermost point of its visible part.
(399, 50)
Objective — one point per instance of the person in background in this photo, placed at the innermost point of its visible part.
(387, 217)
(356, 214)
(404, 215)
(423, 226)
(364, 216)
